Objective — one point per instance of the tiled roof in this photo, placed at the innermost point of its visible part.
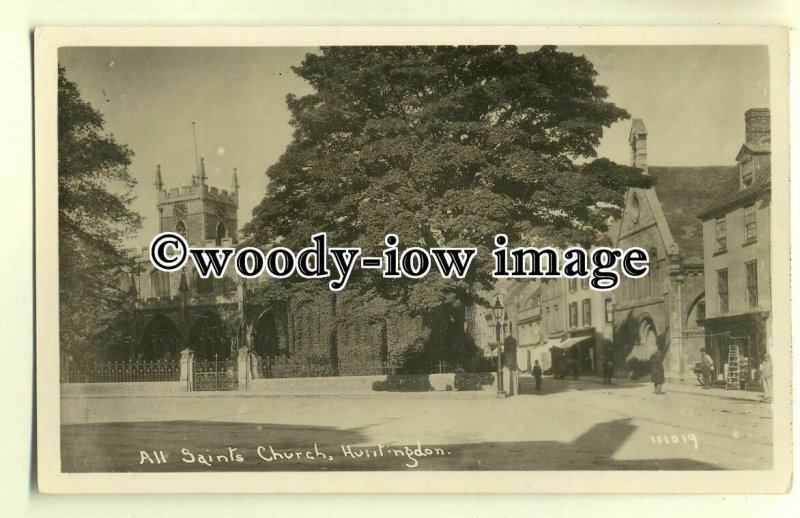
(753, 148)
(761, 183)
(686, 192)
(757, 148)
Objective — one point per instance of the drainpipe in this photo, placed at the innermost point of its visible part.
(679, 333)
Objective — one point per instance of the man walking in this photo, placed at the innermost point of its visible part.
(706, 365)
(537, 375)
(608, 367)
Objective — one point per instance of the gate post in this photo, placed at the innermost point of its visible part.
(243, 368)
(187, 368)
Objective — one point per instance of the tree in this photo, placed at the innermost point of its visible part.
(94, 194)
(444, 146)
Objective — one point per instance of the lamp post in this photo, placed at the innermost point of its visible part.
(498, 312)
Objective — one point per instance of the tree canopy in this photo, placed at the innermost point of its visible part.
(444, 146)
(94, 195)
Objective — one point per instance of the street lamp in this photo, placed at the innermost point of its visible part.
(498, 312)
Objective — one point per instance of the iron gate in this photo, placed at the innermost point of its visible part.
(215, 374)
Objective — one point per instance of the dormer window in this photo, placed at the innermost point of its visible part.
(746, 167)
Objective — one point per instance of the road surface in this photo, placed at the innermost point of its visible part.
(571, 425)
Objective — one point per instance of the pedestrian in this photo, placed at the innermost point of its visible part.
(608, 367)
(706, 365)
(657, 371)
(510, 346)
(537, 375)
(572, 366)
(766, 376)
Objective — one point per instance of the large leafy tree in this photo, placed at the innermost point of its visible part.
(444, 146)
(94, 195)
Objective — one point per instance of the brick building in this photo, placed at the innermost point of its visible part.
(665, 309)
(736, 236)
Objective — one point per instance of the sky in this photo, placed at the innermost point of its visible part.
(692, 100)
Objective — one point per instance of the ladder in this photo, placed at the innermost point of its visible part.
(733, 368)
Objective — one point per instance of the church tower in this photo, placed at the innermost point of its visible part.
(205, 216)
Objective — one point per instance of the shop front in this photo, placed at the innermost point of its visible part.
(572, 356)
(743, 335)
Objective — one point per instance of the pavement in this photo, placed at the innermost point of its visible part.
(691, 386)
(569, 425)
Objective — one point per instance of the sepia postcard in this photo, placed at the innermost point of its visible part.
(412, 259)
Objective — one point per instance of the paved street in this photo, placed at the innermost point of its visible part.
(571, 425)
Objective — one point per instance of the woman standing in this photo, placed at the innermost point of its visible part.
(657, 371)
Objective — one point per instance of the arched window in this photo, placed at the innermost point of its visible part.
(159, 284)
(180, 228)
(222, 232)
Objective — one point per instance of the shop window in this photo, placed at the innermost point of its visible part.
(751, 276)
(750, 231)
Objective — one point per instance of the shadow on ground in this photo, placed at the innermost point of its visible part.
(118, 447)
(527, 385)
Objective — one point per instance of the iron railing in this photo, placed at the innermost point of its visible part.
(121, 372)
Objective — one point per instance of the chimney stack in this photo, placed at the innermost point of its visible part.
(756, 126)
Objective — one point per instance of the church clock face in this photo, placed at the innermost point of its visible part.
(635, 208)
(179, 211)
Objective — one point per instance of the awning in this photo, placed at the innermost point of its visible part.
(569, 342)
(553, 342)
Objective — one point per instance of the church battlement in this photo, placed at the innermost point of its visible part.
(192, 192)
(199, 212)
